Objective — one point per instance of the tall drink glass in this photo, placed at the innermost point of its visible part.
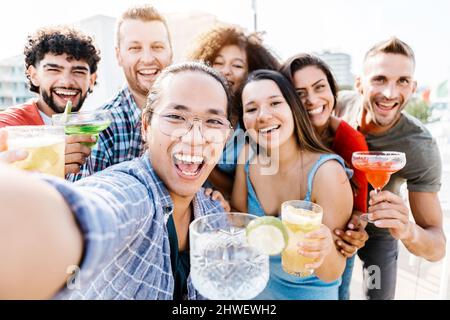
(45, 146)
(299, 217)
(223, 265)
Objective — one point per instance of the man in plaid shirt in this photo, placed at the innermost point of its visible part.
(143, 49)
(114, 224)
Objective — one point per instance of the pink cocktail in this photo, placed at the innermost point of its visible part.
(378, 167)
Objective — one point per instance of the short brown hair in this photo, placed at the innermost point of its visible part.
(392, 45)
(144, 13)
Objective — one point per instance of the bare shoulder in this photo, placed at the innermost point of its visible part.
(330, 170)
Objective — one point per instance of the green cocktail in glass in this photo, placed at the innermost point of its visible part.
(84, 123)
(90, 129)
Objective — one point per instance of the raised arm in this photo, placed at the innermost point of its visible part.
(425, 237)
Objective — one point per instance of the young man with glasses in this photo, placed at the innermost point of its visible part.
(126, 227)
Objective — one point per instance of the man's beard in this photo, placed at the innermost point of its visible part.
(48, 99)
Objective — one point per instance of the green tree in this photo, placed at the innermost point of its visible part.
(419, 109)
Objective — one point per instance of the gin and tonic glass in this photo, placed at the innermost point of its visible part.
(223, 265)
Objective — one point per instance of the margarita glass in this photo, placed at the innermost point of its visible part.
(378, 167)
(223, 265)
(84, 123)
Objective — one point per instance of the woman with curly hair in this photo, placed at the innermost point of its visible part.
(234, 53)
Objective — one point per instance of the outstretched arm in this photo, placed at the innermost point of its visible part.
(39, 237)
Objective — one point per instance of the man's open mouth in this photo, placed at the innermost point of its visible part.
(386, 106)
(188, 165)
(66, 94)
(148, 72)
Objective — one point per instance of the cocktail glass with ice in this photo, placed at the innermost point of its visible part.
(223, 265)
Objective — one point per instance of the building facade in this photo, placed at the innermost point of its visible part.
(341, 65)
(13, 82)
(184, 29)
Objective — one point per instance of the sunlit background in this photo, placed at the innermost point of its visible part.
(347, 27)
(340, 31)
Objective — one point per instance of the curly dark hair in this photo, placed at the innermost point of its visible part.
(258, 56)
(59, 40)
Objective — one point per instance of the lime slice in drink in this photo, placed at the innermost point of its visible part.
(268, 235)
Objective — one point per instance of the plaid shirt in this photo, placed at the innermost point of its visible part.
(122, 212)
(121, 141)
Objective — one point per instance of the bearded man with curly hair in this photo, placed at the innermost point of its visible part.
(61, 65)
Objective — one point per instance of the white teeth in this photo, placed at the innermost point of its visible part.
(265, 130)
(316, 110)
(148, 72)
(386, 105)
(66, 93)
(189, 173)
(188, 158)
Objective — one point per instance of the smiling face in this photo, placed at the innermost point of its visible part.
(267, 116)
(315, 93)
(143, 51)
(231, 62)
(386, 85)
(185, 163)
(61, 78)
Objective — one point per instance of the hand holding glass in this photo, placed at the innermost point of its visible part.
(45, 146)
(378, 167)
(299, 218)
(84, 123)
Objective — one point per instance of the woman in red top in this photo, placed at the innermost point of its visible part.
(317, 90)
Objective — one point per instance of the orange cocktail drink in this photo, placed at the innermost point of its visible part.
(378, 167)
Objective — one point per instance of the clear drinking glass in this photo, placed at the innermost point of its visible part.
(86, 122)
(299, 218)
(45, 146)
(378, 167)
(223, 265)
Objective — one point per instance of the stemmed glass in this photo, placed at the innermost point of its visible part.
(86, 122)
(378, 167)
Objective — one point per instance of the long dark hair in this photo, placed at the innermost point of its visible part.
(305, 134)
(303, 60)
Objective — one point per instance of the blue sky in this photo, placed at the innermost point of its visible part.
(351, 26)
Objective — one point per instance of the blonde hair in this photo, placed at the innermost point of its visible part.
(144, 13)
(392, 45)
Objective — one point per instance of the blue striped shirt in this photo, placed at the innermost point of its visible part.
(122, 212)
(121, 141)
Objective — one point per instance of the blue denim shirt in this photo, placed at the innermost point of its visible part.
(122, 212)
